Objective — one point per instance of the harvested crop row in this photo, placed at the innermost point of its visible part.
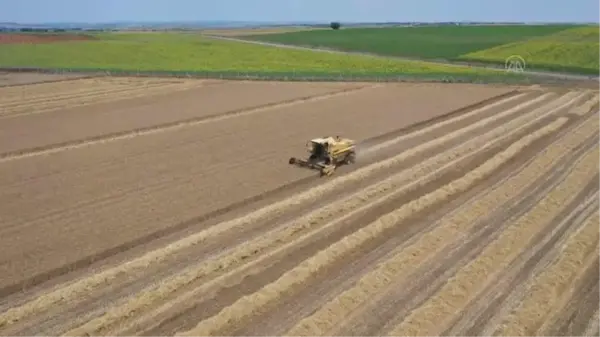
(593, 327)
(392, 271)
(79, 85)
(88, 91)
(46, 89)
(92, 97)
(508, 289)
(23, 80)
(245, 306)
(80, 89)
(82, 286)
(572, 304)
(477, 111)
(433, 315)
(548, 287)
(585, 108)
(290, 234)
(571, 96)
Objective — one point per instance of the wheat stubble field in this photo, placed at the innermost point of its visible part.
(167, 207)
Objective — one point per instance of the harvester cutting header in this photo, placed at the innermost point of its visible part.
(327, 153)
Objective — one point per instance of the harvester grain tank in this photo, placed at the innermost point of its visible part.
(326, 154)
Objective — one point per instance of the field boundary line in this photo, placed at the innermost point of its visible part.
(354, 204)
(166, 127)
(549, 286)
(257, 215)
(245, 305)
(84, 77)
(494, 77)
(413, 252)
(435, 313)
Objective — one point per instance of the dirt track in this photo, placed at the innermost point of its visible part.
(169, 208)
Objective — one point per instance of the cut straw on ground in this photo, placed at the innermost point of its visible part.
(89, 95)
(548, 287)
(432, 316)
(369, 197)
(246, 305)
(312, 220)
(392, 271)
(587, 107)
(82, 286)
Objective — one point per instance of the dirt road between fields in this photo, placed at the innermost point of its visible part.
(538, 75)
(192, 222)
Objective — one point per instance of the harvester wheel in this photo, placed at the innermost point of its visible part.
(351, 159)
(292, 161)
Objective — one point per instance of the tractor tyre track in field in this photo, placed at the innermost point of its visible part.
(426, 213)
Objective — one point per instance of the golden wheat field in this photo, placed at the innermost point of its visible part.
(141, 206)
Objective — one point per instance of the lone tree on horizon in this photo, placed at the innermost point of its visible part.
(335, 25)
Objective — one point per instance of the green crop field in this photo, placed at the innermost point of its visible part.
(572, 50)
(179, 52)
(440, 42)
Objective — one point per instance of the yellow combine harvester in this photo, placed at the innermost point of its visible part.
(326, 154)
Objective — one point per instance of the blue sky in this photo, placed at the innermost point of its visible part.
(36, 11)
